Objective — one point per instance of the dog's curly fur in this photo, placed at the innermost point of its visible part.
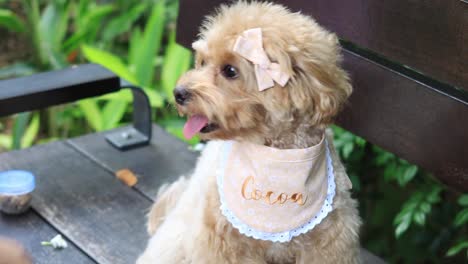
(185, 222)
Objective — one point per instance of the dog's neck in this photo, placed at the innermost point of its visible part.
(297, 136)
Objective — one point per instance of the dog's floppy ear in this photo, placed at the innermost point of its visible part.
(277, 100)
(318, 86)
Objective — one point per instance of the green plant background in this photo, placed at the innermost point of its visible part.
(409, 217)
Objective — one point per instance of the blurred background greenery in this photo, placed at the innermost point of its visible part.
(409, 217)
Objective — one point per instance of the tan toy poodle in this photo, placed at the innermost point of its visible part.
(269, 186)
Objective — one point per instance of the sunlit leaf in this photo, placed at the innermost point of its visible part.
(10, 21)
(19, 127)
(92, 113)
(134, 45)
(31, 132)
(52, 28)
(419, 218)
(407, 174)
(113, 113)
(5, 141)
(150, 45)
(401, 228)
(155, 99)
(347, 149)
(109, 61)
(176, 62)
(457, 248)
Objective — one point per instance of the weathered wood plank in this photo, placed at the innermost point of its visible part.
(407, 118)
(105, 218)
(429, 36)
(163, 161)
(29, 230)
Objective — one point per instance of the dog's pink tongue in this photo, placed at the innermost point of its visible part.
(194, 124)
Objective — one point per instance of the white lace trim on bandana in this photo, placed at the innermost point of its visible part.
(285, 236)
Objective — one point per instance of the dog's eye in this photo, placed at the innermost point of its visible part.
(230, 72)
(202, 63)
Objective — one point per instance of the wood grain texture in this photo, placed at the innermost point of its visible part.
(429, 36)
(102, 216)
(163, 161)
(29, 230)
(409, 119)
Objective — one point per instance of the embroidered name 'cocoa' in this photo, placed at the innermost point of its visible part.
(256, 194)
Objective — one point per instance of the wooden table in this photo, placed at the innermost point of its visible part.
(78, 196)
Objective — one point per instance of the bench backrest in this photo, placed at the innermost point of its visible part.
(408, 62)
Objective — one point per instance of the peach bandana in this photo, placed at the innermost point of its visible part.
(250, 46)
(274, 194)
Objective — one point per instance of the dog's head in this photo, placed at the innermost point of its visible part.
(221, 97)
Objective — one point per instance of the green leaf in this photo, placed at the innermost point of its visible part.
(19, 127)
(461, 218)
(463, 200)
(92, 113)
(434, 195)
(404, 215)
(122, 23)
(402, 227)
(419, 218)
(5, 141)
(31, 8)
(54, 24)
(407, 175)
(109, 61)
(113, 113)
(12, 22)
(360, 141)
(390, 171)
(176, 62)
(457, 248)
(90, 24)
(134, 45)
(425, 207)
(347, 149)
(82, 10)
(383, 157)
(31, 132)
(52, 28)
(156, 100)
(92, 18)
(150, 44)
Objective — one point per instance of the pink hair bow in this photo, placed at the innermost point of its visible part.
(250, 46)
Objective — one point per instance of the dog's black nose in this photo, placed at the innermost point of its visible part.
(181, 95)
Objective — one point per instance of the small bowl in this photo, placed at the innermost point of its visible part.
(16, 187)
